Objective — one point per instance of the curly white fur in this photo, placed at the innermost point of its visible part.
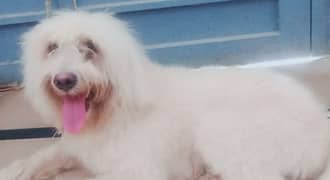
(164, 123)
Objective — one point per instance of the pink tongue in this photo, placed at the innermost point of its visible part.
(73, 114)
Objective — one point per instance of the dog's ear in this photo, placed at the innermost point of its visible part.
(89, 49)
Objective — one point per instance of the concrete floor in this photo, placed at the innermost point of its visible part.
(16, 113)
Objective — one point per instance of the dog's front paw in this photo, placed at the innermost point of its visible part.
(14, 171)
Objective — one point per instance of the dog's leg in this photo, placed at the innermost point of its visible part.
(42, 165)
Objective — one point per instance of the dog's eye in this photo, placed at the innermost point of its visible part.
(90, 45)
(88, 49)
(51, 47)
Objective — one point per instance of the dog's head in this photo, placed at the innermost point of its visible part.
(79, 67)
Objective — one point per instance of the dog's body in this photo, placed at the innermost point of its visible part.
(150, 122)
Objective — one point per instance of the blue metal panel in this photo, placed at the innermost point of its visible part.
(9, 52)
(189, 32)
(14, 6)
(224, 53)
(10, 73)
(18, 11)
(120, 6)
(320, 27)
(36, 10)
(210, 20)
(225, 32)
(295, 22)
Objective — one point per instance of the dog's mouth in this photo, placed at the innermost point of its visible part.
(75, 109)
(79, 107)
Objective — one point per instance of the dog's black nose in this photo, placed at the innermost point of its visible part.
(65, 81)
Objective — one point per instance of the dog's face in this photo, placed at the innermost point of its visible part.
(76, 65)
(75, 80)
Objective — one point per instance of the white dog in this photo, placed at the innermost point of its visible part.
(126, 118)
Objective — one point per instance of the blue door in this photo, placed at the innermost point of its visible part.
(189, 32)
